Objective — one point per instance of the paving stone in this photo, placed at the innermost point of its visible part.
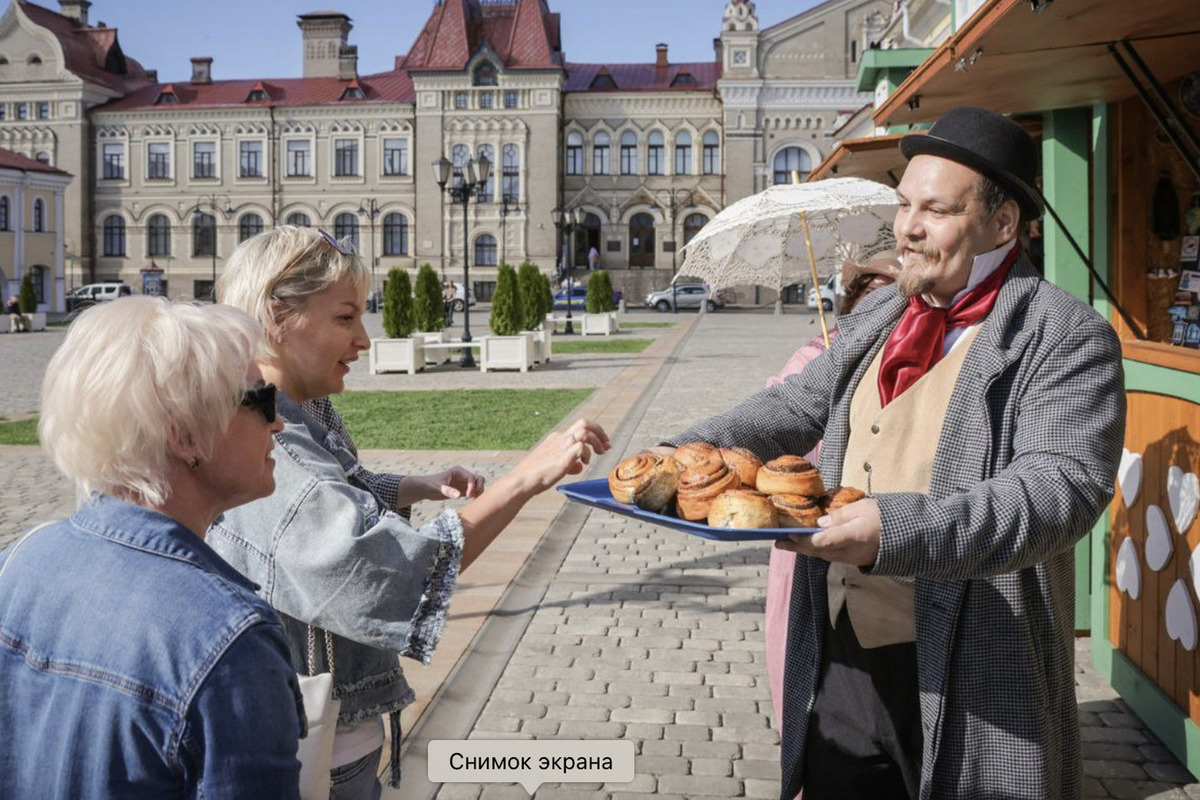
(694, 785)
(641, 784)
(662, 748)
(1113, 769)
(763, 770)
(573, 729)
(688, 733)
(1104, 751)
(1171, 772)
(725, 750)
(643, 731)
(719, 767)
(1141, 790)
(661, 716)
(761, 789)
(661, 765)
(459, 791)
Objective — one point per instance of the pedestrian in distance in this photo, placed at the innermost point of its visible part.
(593, 259)
(327, 551)
(134, 661)
(17, 322)
(930, 646)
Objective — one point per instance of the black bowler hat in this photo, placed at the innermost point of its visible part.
(986, 142)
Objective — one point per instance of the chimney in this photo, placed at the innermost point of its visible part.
(76, 10)
(202, 69)
(152, 75)
(661, 50)
(323, 34)
(348, 62)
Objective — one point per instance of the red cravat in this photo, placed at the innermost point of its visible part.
(917, 342)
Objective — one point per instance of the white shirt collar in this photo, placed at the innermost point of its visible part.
(983, 266)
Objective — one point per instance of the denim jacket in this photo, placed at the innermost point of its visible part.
(135, 663)
(330, 555)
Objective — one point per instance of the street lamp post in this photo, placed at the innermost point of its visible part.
(505, 210)
(475, 175)
(369, 209)
(675, 198)
(227, 211)
(567, 221)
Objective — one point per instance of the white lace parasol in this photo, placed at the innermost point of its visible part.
(760, 239)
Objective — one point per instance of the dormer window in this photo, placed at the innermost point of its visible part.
(352, 92)
(683, 79)
(166, 97)
(603, 81)
(257, 96)
(34, 59)
(485, 74)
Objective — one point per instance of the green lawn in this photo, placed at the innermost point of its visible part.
(476, 419)
(605, 345)
(646, 324)
(20, 432)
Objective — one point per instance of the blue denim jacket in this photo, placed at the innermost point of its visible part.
(135, 663)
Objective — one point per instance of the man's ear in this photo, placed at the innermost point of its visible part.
(1008, 221)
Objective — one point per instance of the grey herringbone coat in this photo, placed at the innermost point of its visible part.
(1024, 467)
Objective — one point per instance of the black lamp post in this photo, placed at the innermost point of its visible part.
(473, 180)
(505, 210)
(567, 221)
(675, 198)
(370, 209)
(211, 200)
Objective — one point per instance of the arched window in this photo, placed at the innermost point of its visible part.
(158, 236)
(600, 160)
(488, 191)
(792, 158)
(629, 153)
(3, 213)
(299, 219)
(712, 153)
(39, 215)
(485, 74)
(249, 225)
(345, 228)
(204, 234)
(485, 250)
(692, 224)
(395, 235)
(641, 240)
(511, 173)
(460, 155)
(39, 283)
(574, 153)
(683, 153)
(114, 236)
(654, 153)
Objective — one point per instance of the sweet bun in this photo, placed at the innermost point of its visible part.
(647, 480)
(796, 510)
(790, 475)
(841, 496)
(700, 485)
(743, 462)
(694, 453)
(742, 508)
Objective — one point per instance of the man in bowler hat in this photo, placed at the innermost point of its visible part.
(930, 634)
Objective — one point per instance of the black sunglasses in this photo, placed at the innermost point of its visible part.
(262, 400)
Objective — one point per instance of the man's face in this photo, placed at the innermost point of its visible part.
(942, 225)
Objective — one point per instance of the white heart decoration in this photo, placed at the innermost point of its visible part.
(1129, 477)
(1181, 616)
(1183, 492)
(1129, 571)
(1158, 539)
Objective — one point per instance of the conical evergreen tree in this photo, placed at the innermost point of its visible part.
(398, 317)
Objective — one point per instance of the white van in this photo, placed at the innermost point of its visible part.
(93, 293)
(831, 289)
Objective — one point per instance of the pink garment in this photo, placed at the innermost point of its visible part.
(783, 562)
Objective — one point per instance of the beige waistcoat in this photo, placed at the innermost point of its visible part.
(891, 450)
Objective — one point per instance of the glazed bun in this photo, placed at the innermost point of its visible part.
(648, 480)
(796, 510)
(743, 462)
(790, 475)
(841, 496)
(742, 508)
(694, 453)
(700, 485)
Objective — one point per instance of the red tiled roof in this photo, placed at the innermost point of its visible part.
(523, 34)
(644, 77)
(386, 87)
(93, 54)
(11, 160)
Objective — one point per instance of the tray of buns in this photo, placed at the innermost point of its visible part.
(716, 492)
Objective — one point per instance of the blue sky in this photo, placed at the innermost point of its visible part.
(259, 38)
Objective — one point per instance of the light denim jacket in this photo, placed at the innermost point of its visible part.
(328, 554)
(135, 663)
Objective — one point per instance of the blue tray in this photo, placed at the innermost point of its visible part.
(596, 494)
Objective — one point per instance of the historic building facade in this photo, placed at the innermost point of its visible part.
(170, 176)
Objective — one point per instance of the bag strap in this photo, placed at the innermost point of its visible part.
(17, 546)
(312, 650)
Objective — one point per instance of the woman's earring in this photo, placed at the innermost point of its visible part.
(194, 463)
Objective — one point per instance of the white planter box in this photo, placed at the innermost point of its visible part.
(397, 355)
(433, 356)
(541, 343)
(506, 352)
(599, 324)
(37, 322)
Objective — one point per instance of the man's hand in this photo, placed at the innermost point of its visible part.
(849, 535)
(452, 484)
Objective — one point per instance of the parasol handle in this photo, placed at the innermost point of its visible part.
(812, 265)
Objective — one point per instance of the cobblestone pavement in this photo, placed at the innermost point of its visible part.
(23, 358)
(655, 636)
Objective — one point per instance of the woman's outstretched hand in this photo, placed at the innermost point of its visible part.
(563, 452)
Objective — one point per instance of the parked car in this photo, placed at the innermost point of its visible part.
(459, 294)
(830, 288)
(579, 299)
(92, 293)
(685, 295)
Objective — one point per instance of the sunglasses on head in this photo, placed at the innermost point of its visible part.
(344, 249)
(262, 400)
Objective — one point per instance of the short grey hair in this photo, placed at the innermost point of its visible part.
(993, 195)
(270, 276)
(129, 376)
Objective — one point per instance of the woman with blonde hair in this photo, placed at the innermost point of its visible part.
(330, 555)
(134, 661)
